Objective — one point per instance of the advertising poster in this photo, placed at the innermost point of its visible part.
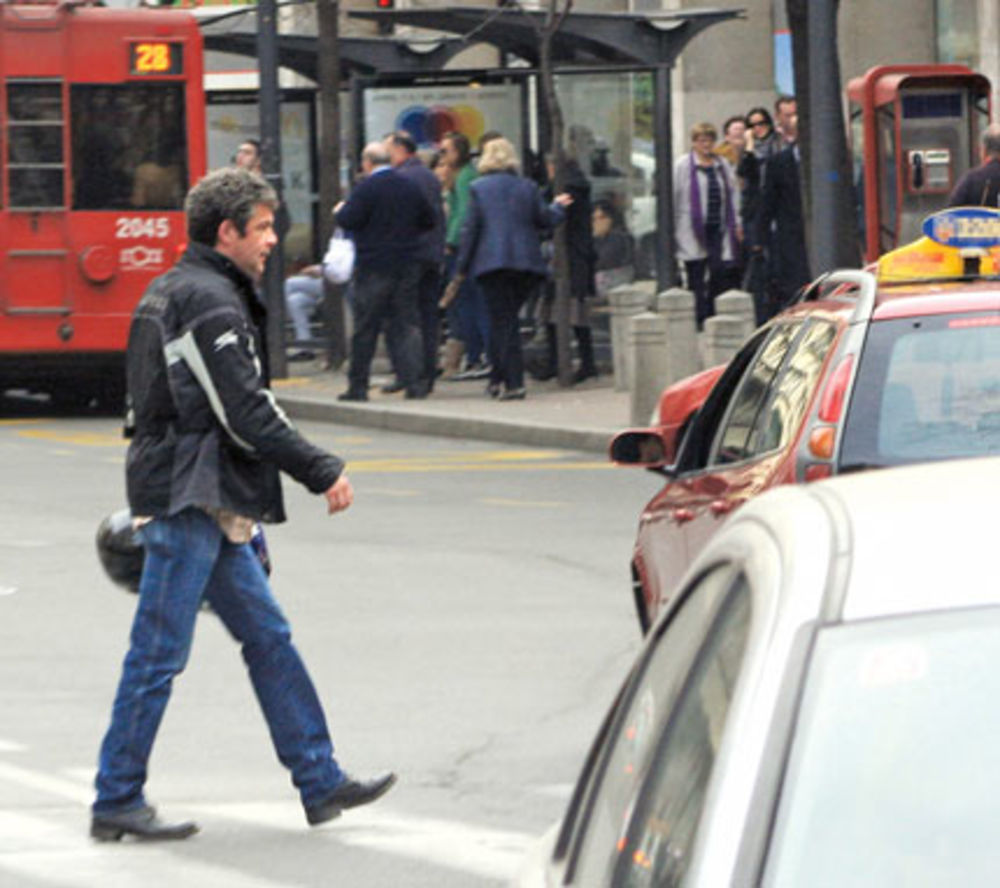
(428, 112)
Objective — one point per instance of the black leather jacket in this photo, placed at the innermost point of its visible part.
(206, 430)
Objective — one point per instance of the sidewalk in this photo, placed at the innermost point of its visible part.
(581, 417)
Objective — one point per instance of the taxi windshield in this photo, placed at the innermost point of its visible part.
(928, 388)
(894, 771)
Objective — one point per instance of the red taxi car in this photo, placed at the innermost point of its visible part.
(896, 364)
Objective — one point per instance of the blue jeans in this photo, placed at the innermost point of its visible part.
(468, 318)
(188, 559)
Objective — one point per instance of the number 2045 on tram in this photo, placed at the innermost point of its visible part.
(102, 132)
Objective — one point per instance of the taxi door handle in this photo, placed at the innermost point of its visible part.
(721, 507)
(682, 516)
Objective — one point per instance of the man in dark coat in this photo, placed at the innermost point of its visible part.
(430, 253)
(980, 187)
(781, 207)
(386, 215)
(207, 444)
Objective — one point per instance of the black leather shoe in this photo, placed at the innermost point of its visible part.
(352, 395)
(349, 794)
(141, 823)
(390, 388)
(417, 391)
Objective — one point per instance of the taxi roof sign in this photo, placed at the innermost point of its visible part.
(962, 227)
(961, 242)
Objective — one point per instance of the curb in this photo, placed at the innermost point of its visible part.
(447, 425)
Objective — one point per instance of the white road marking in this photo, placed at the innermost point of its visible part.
(10, 745)
(41, 849)
(37, 847)
(64, 789)
(482, 851)
(7, 590)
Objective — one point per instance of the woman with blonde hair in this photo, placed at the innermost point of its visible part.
(501, 249)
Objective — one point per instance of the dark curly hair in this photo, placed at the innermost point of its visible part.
(231, 193)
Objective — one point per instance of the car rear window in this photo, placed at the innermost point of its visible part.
(894, 771)
(927, 389)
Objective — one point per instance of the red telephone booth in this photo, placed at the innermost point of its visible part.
(915, 130)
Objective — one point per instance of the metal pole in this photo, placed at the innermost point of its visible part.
(666, 262)
(272, 285)
(824, 106)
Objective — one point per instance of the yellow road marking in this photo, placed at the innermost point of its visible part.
(528, 504)
(17, 422)
(388, 466)
(81, 439)
(455, 461)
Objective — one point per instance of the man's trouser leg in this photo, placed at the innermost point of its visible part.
(372, 290)
(181, 552)
(240, 594)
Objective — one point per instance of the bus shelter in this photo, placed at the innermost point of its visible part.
(613, 79)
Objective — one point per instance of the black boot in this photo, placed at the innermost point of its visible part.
(585, 346)
(550, 367)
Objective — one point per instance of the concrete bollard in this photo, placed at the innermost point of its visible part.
(648, 364)
(676, 307)
(740, 304)
(724, 334)
(626, 301)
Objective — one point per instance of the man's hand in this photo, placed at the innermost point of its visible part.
(339, 496)
(564, 199)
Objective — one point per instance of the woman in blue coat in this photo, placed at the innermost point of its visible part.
(501, 249)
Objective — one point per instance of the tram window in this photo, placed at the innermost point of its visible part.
(35, 144)
(129, 146)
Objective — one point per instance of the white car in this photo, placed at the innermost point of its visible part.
(818, 705)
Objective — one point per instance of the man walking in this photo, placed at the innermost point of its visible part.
(430, 251)
(386, 214)
(203, 464)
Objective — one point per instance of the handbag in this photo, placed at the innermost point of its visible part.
(338, 263)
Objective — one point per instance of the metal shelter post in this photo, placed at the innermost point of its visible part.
(270, 143)
(666, 254)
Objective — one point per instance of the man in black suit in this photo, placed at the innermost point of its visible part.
(781, 209)
(430, 255)
(386, 215)
(980, 187)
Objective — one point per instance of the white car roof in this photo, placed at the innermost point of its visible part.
(911, 539)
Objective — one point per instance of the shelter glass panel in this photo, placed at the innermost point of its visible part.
(609, 133)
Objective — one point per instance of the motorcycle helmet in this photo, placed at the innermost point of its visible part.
(120, 552)
(122, 555)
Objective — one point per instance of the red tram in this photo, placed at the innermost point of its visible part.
(103, 132)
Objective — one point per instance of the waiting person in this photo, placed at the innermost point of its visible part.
(430, 252)
(469, 309)
(614, 249)
(780, 228)
(580, 259)
(706, 221)
(248, 155)
(501, 249)
(386, 215)
(980, 186)
(303, 294)
(786, 119)
(207, 445)
(734, 140)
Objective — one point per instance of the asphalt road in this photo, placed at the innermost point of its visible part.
(467, 623)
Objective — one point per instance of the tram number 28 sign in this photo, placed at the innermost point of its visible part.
(155, 57)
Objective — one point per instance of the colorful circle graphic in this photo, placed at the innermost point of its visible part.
(428, 125)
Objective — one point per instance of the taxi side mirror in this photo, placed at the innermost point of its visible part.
(645, 448)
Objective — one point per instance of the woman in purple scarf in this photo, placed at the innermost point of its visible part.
(706, 221)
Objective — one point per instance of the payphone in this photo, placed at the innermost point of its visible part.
(915, 129)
